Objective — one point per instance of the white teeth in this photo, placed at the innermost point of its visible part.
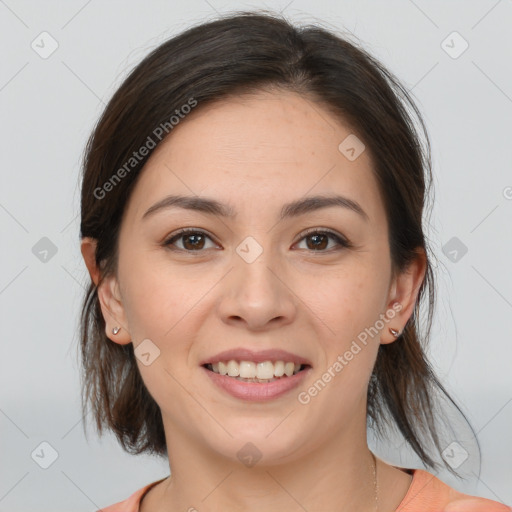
(233, 370)
(288, 369)
(247, 369)
(250, 370)
(265, 370)
(279, 369)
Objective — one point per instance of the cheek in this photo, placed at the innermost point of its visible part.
(345, 301)
(167, 306)
(153, 302)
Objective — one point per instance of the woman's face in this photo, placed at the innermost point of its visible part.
(258, 280)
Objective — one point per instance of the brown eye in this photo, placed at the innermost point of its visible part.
(319, 240)
(192, 240)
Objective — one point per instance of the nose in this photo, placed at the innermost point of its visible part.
(257, 295)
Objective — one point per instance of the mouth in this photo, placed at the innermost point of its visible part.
(256, 381)
(256, 372)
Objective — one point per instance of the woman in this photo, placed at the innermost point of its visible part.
(252, 208)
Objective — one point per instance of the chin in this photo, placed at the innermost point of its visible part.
(262, 444)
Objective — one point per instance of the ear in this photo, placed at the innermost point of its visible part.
(403, 294)
(108, 295)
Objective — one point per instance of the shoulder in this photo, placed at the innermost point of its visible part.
(428, 493)
(131, 504)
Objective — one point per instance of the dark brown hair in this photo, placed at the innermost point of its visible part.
(246, 52)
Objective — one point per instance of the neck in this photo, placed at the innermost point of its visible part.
(316, 480)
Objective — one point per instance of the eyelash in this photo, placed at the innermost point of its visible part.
(341, 241)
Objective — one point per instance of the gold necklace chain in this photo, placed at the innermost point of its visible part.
(375, 486)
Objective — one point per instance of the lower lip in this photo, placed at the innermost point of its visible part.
(255, 391)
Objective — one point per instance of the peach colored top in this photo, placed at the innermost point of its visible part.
(426, 494)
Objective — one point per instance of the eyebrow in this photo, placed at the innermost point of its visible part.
(293, 209)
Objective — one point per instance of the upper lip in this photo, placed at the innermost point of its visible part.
(244, 354)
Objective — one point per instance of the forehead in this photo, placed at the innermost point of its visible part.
(255, 149)
(275, 127)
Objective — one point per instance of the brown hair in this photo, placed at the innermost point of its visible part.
(239, 53)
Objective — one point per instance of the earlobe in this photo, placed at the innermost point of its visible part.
(393, 328)
(113, 311)
(110, 301)
(403, 297)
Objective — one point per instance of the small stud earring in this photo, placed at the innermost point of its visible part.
(394, 332)
(115, 330)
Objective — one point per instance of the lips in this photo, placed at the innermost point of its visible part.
(257, 392)
(296, 369)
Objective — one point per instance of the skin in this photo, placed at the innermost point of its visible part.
(257, 153)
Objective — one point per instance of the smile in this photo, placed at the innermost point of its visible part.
(252, 381)
(249, 371)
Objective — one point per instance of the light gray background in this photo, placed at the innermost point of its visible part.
(48, 108)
